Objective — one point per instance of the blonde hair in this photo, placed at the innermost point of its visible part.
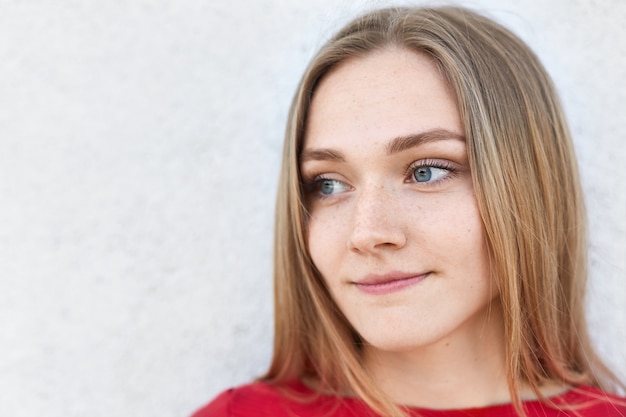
(529, 196)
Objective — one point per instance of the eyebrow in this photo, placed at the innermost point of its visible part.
(403, 143)
(322, 154)
(398, 144)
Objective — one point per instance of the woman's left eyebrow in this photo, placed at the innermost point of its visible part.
(403, 143)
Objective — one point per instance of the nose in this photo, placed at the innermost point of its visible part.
(376, 223)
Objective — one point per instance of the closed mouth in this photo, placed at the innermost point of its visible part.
(383, 284)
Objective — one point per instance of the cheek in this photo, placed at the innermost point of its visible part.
(455, 230)
(470, 245)
(323, 240)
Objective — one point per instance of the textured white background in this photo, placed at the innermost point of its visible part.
(139, 151)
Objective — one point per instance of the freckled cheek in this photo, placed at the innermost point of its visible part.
(466, 236)
(324, 237)
(451, 220)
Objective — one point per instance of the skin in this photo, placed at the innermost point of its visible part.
(372, 220)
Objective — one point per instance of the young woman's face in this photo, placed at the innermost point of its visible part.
(394, 227)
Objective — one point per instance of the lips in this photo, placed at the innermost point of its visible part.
(388, 283)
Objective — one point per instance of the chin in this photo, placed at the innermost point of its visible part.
(399, 342)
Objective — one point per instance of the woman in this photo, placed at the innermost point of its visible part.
(430, 239)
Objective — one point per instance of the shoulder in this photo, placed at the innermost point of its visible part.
(587, 401)
(260, 399)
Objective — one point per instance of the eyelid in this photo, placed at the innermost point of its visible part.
(447, 165)
(427, 162)
(311, 183)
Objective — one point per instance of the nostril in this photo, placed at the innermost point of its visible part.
(374, 236)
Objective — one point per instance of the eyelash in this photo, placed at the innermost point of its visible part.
(431, 163)
(311, 187)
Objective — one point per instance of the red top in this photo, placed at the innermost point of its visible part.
(263, 400)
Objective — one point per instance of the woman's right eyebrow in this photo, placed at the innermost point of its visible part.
(321, 154)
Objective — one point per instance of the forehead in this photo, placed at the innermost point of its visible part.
(384, 94)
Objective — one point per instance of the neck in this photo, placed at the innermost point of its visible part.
(463, 370)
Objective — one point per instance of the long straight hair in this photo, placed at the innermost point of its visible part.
(529, 196)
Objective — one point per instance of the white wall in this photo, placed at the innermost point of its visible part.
(139, 150)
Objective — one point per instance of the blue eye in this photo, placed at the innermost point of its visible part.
(327, 186)
(424, 174)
